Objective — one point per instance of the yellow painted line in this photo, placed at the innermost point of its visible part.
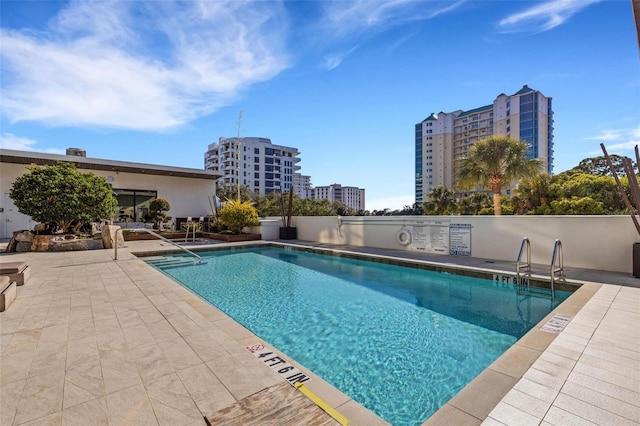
(320, 403)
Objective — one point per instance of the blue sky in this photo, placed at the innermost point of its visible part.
(343, 81)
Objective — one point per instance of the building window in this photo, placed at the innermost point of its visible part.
(256, 167)
(256, 150)
(133, 204)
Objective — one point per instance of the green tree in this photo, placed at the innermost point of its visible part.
(532, 194)
(158, 209)
(474, 203)
(494, 162)
(577, 206)
(236, 214)
(228, 191)
(63, 197)
(440, 202)
(341, 209)
(598, 166)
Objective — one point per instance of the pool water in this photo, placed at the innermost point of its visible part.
(401, 341)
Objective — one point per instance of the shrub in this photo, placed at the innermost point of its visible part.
(236, 214)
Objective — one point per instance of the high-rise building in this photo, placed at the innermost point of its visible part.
(442, 140)
(302, 186)
(350, 195)
(256, 162)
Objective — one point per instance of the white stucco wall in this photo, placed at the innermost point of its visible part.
(594, 242)
(187, 196)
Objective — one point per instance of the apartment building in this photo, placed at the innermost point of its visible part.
(442, 139)
(302, 186)
(350, 195)
(258, 164)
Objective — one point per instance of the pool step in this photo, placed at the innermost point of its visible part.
(170, 261)
(545, 293)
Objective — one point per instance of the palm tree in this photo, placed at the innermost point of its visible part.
(494, 162)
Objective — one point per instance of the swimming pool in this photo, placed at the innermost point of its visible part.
(401, 341)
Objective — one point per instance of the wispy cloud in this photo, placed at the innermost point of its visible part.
(544, 16)
(357, 20)
(618, 141)
(11, 141)
(137, 65)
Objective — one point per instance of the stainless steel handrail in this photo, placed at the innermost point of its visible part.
(556, 256)
(519, 263)
(115, 245)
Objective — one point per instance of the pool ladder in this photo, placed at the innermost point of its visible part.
(523, 269)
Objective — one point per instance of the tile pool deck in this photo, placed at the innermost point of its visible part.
(90, 340)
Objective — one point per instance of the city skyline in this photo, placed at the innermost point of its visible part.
(344, 82)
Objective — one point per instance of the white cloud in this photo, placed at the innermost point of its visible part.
(136, 65)
(618, 141)
(544, 16)
(18, 143)
(361, 18)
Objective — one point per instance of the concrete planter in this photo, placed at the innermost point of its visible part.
(231, 238)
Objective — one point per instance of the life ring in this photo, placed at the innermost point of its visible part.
(403, 237)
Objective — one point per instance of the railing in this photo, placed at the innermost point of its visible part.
(556, 259)
(115, 244)
(526, 244)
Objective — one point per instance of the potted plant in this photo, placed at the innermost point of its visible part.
(158, 209)
(288, 232)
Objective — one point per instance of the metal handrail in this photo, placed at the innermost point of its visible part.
(556, 256)
(115, 245)
(519, 263)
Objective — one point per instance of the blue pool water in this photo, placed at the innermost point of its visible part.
(400, 341)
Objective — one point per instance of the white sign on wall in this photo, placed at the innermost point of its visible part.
(431, 236)
(460, 239)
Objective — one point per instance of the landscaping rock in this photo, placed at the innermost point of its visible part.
(41, 242)
(23, 246)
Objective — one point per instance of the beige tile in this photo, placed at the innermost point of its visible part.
(591, 412)
(608, 389)
(41, 396)
(83, 383)
(138, 336)
(480, 396)
(626, 381)
(54, 419)
(516, 361)
(106, 324)
(201, 384)
(630, 411)
(90, 413)
(449, 415)
(233, 329)
(81, 350)
(559, 417)
(151, 362)
(15, 367)
(527, 403)
(510, 415)
(536, 390)
(129, 318)
(358, 415)
(171, 402)
(49, 357)
(205, 345)
(9, 398)
(243, 380)
(119, 373)
(81, 328)
(179, 354)
(162, 330)
(130, 406)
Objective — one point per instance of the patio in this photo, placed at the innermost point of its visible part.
(90, 340)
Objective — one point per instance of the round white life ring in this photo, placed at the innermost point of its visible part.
(403, 237)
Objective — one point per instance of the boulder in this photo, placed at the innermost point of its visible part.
(67, 245)
(23, 246)
(41, 242)
(22, 236)
(109, 235)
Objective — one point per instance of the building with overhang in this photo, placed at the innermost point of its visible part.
(190, 192)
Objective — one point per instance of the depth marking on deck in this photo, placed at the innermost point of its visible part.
(281, 366)
(556, 324)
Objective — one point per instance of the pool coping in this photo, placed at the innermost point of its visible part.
(478, 398)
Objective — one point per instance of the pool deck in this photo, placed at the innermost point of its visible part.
(91, 340)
